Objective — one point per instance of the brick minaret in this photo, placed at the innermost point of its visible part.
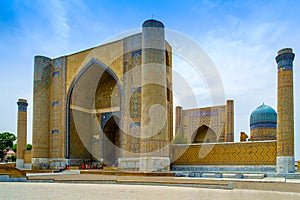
(21, 132)
(154, 118)
(285, 111)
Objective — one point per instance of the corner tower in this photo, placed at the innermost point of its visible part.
(154, 119)
(229, 124)
(285, 111)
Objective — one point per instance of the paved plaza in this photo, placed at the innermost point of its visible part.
(68, 191)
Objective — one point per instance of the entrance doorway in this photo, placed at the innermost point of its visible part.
(111, 141)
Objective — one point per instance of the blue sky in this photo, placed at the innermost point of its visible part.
(241, 37)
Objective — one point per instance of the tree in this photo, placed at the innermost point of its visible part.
(12, 158)
(14, 148)
(29, 147)
(6, 142)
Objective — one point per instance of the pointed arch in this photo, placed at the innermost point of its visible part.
(204, 134)
(91, 63)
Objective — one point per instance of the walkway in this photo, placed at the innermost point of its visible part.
(21, 191)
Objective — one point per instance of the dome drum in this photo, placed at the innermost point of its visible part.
(263, 125)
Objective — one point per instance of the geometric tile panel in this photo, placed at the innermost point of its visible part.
(247, 153)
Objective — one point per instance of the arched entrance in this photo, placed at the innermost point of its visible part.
(111, 141)
(204, 134)
(95, 90)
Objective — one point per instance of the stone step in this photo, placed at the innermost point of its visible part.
(195, 174)
(253, 176)
(208, 175)
(228, 176)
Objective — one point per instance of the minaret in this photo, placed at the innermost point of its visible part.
(154, 119)
(21, 132)
(285, 112)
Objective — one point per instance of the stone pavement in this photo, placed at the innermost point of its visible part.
(267, 184)
(62, 191)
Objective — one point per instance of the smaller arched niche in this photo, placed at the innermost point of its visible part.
(204, 134)
(111, 141)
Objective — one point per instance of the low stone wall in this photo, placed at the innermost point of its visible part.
(11, 170)
(241, 153)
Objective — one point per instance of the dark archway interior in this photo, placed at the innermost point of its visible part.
(94, 92)
(204, 134)
(111, 142)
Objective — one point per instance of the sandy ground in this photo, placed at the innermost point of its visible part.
(68, 191)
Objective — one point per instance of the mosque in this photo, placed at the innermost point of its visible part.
(113, 104)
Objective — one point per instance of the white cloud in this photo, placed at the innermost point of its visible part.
(58, 23)
(244, 53)
(58, 18)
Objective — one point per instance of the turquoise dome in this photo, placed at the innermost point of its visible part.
(263, 116)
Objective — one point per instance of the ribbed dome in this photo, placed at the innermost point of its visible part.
(263, 116)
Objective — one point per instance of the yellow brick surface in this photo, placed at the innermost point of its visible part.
(109, 54)
(247, 153)
(285, 111)
(27, 156)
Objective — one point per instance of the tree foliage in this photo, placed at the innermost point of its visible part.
(29, 147)
(14, 148)
(12, 158)
(6, 142)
